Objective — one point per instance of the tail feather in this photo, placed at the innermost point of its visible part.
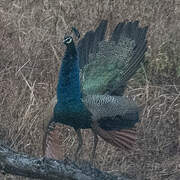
(123, 139)
(131, 131)
(130, 30)
(138, 56)
(126, 135)
(134, 65)
(117, 31)
(90, 41)
(52, 147)
(123, 142)
(127, 53)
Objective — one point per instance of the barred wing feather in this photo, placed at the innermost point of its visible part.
(112, 112)
(113, 119)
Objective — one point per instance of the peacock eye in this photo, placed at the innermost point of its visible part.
(68, 40)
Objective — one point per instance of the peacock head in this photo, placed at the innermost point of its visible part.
(68, 40)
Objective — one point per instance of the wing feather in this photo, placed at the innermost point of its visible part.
(53, 147)
(122, 139)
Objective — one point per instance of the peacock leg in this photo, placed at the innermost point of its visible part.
(94, 147)
(80, 142)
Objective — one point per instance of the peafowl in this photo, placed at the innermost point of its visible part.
(92, 80)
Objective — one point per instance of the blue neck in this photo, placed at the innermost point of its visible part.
(68, 89)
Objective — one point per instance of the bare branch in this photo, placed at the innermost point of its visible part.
(23, 165)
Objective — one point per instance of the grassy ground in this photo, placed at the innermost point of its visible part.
(30, 53)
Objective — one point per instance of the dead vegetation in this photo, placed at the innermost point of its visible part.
(31, 32)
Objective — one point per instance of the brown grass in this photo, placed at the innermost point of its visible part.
(30, 53)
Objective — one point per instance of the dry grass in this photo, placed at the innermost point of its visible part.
(30, 32)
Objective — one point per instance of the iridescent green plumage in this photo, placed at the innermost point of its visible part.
(110, 64)
(107, 68)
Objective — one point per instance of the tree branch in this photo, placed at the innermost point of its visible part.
(15, 163)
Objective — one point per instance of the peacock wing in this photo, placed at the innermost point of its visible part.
(112, 112)
(123, 139)
(53, 146)
(106, 66)
(89, 43)
(113, 119)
